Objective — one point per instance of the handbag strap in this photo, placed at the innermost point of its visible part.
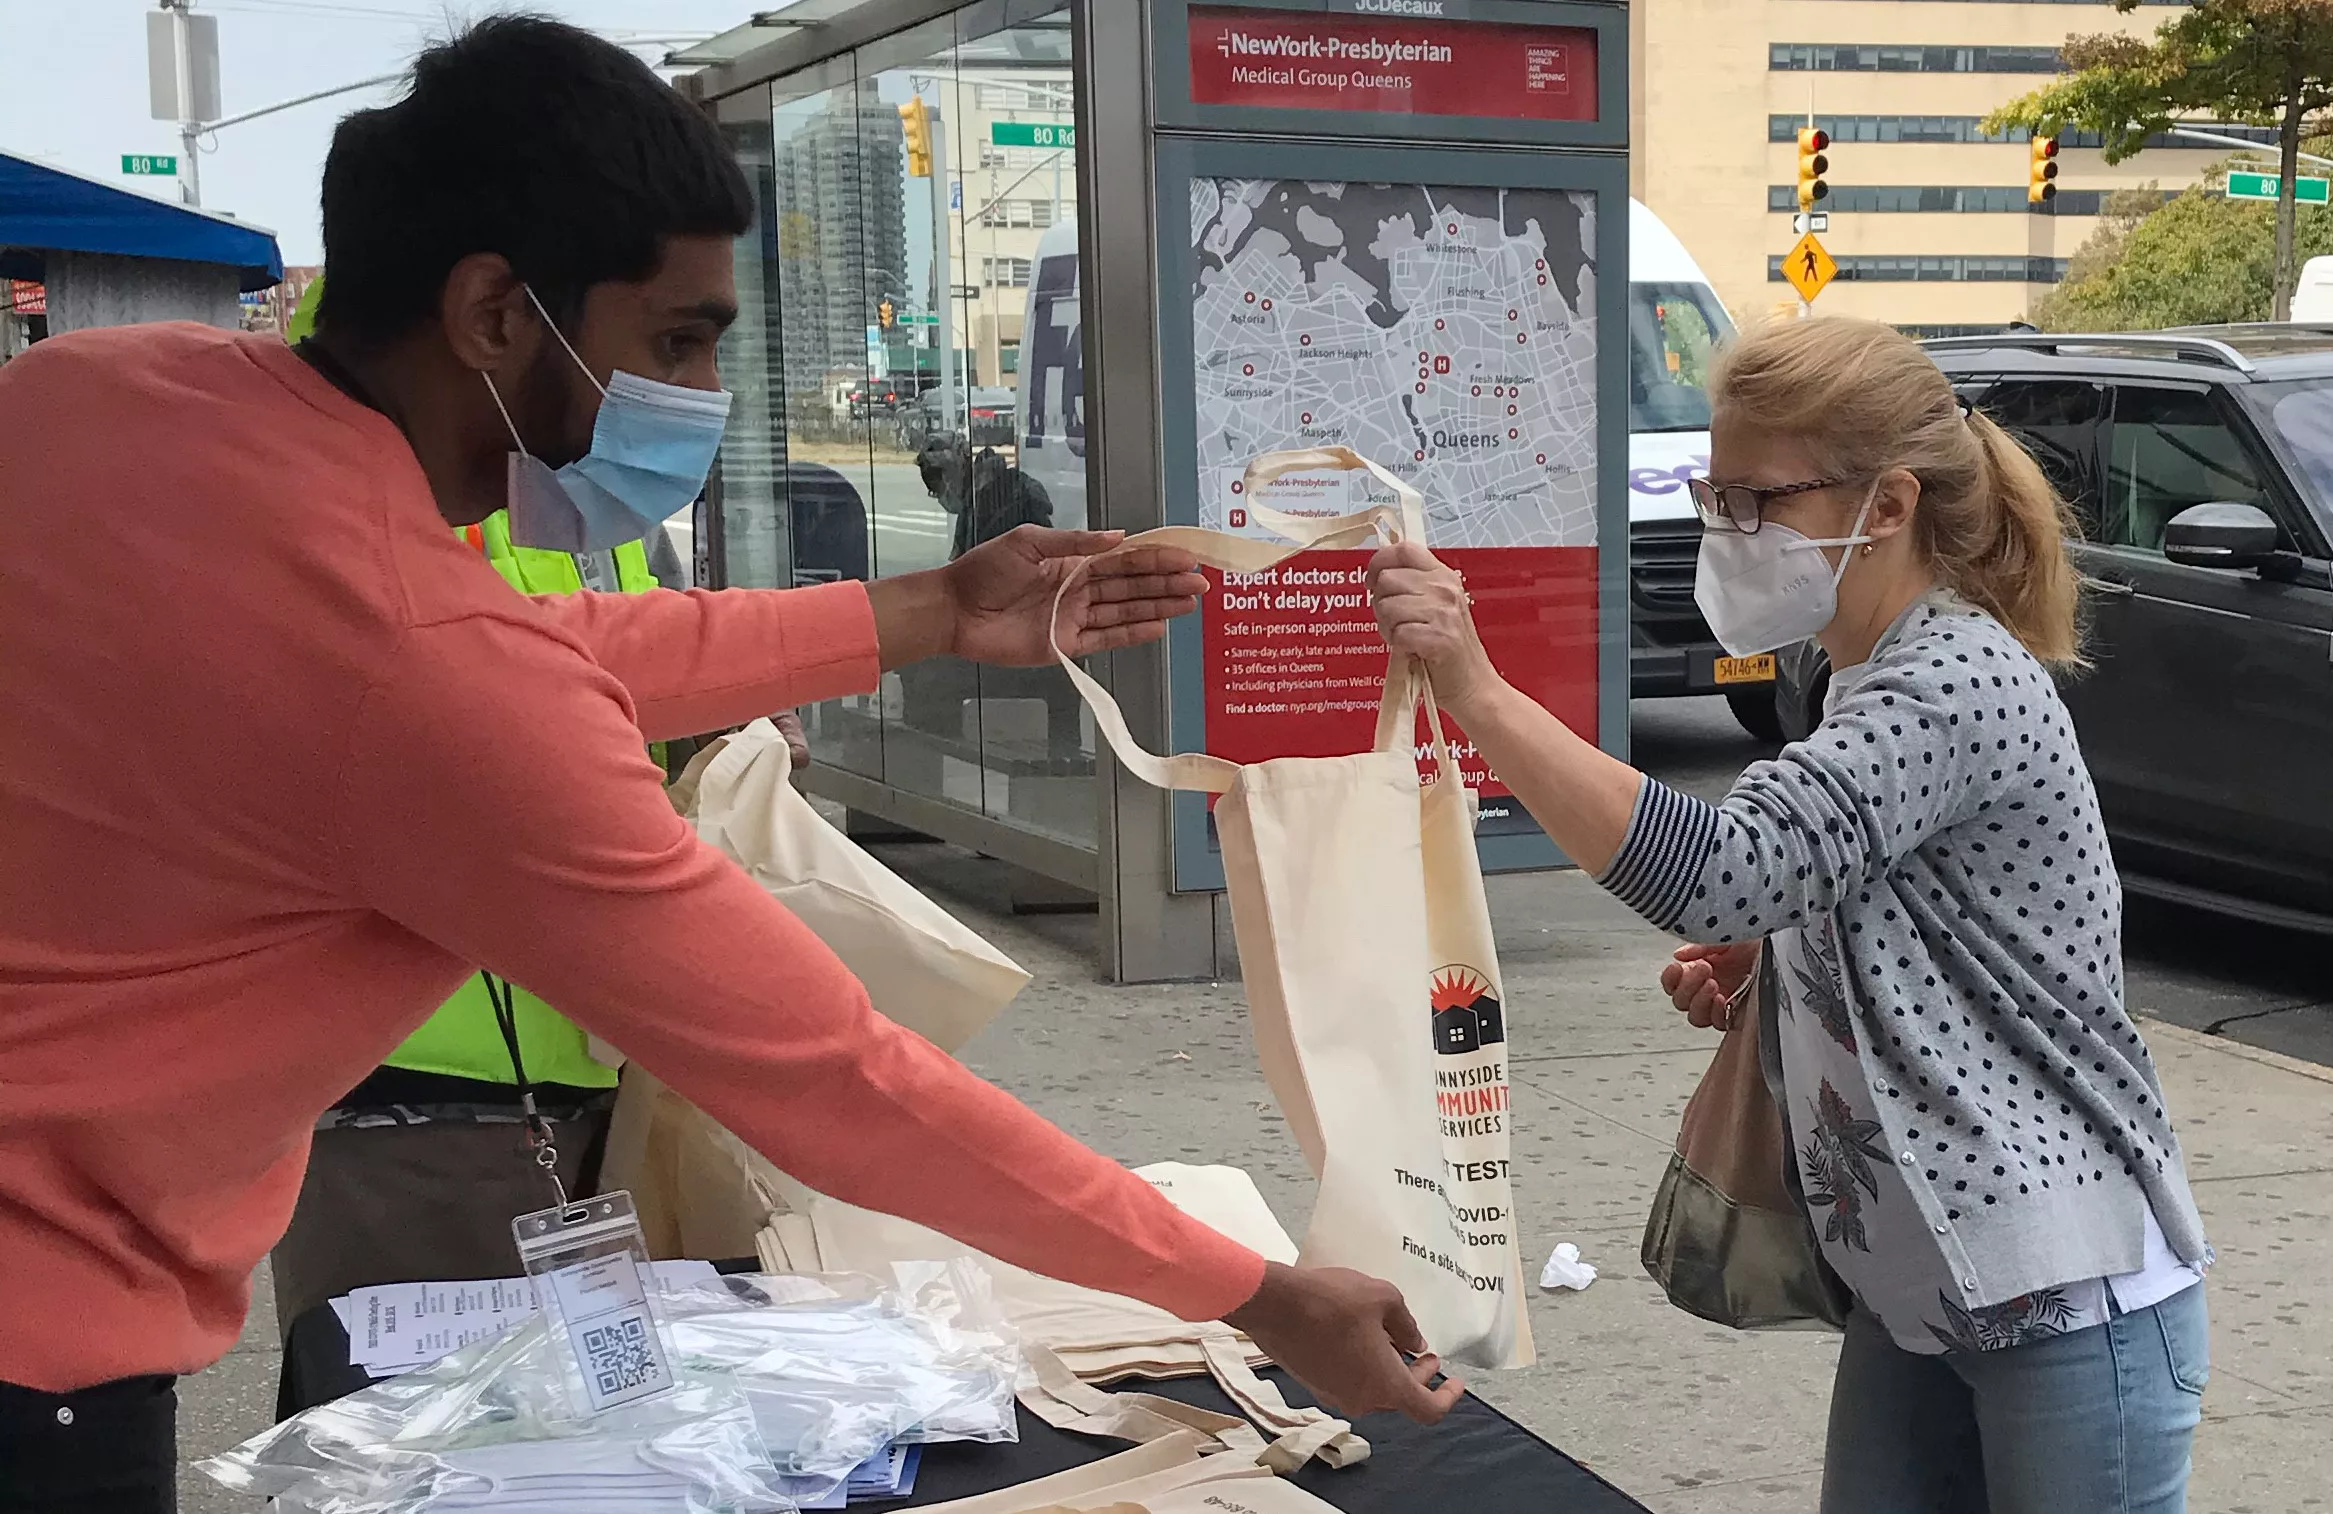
(1405, 685)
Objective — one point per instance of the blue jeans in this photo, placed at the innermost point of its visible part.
(2096, 1421)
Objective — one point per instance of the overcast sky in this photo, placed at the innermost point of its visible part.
(73, 85)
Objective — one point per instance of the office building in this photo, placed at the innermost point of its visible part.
(1929, 220)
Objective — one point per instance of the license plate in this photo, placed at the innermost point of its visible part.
(1759, 669)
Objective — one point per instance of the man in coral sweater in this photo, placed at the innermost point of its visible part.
(285, 761)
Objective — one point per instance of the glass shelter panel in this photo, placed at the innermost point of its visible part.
(914, 377)
(821, 380)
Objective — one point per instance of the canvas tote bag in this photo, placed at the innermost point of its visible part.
(701, 1191)
(1160, 1466)
(1728, 1239)
(1203, 1488)
(1373, 989)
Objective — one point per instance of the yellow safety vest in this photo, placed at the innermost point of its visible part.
(463, 1039)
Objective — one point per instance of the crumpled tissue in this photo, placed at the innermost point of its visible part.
(1566, 1270)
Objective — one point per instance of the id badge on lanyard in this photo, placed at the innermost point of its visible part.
(598, 571)
(590, 1266)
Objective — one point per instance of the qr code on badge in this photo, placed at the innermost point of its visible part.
(620, 1355)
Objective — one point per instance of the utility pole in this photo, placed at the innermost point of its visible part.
(943, 274)
(182, 23)
(927, 158)
(182, 78)
(182, 75)
(1806, 203)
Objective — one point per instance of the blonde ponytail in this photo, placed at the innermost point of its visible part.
(2012, 558)
(1863, 398)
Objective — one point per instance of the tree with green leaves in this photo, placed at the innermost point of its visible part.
(2264, 62)
(2196, 259)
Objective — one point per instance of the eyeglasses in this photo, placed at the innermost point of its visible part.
(1742, 507)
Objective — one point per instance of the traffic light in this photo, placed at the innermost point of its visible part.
(883, 313)
(918, 126)
(2041, 170)
(1812, 165)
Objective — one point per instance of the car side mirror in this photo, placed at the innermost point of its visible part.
(2225, 535)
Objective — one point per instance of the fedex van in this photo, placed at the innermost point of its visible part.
(1674, 319)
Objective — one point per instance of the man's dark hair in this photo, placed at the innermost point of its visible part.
(526, 137)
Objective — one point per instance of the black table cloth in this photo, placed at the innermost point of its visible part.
(1477, 1461)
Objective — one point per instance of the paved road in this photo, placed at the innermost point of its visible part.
(2265, 987)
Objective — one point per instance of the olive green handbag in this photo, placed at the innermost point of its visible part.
(1728, 1238)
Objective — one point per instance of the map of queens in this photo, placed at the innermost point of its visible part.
(1448, 334)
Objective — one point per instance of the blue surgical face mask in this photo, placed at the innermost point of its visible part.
(651, 448)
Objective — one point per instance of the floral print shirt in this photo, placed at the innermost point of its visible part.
(1871, 1231)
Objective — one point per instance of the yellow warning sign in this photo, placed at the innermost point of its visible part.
(1808, 267)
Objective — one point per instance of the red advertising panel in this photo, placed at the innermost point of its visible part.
(1297, 60)
(1447, 333)
(1295, 665)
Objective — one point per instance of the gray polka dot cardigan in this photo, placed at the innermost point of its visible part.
(1942, 817)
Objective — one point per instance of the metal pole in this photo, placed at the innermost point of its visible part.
(190, 184)
(2258, 147)
(322, 94)
(944, 296)
(1806, 307)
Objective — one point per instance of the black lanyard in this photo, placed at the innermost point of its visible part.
(538, 1129)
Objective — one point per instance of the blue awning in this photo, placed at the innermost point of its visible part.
(44, 210)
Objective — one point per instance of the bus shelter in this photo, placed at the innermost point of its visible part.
(1076, 263)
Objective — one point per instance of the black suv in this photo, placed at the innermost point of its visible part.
(2201, 463)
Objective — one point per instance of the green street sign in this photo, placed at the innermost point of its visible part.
(148, 162)
(2264, 186)
(1031, 134)
(919, 320)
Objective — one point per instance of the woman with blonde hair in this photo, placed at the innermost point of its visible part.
(1976, 1128)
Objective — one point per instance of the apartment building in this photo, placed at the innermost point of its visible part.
(1928, 215)
(841, 239)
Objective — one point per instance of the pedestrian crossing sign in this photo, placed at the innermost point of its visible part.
(1808, 267)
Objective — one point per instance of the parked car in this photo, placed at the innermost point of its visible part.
(2201, 464)
(868, 401)
(987, 414)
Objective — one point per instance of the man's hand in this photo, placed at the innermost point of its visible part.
(1003, 595)
(789, 724)
(1347, 1337)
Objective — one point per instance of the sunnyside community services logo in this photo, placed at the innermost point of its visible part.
(1467, 1016)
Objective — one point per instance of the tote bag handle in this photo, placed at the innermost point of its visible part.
(1405, 685)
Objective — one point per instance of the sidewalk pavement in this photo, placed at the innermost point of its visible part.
(1686, 1416)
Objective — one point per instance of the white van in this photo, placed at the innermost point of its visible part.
(1674, 318)
(1049, 405)
(2312, 296)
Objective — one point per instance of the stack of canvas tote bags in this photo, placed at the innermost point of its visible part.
(1078, 1338)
